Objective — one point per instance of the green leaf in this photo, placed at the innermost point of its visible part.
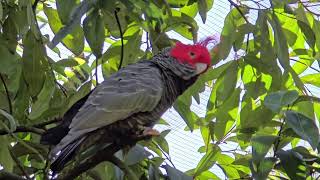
(43, 99)
(207, 175)
(304, 127)
(228, 36)
(276, 100)
(231, 172)
(162, 142)
(11, 120)
(153, 173)
(261, 171)
(74, 40)
(136, 154)
(183, 108)
(65, 9)
(93, 28)
(208, 160)
(292, 164)
(280, 42)
(183, 24)
(261, 146)
(313, 79)
(104, 170)
(226, 114)
(305, 27)
(175, 174)
(203, 8)
(5, 158)
(70, 62)
(34, 63)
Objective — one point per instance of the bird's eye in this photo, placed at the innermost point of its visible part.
(192, 55)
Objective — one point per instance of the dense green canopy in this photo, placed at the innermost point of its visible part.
(260, 97)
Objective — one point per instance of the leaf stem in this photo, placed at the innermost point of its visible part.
(7, 93)
(121, 36)
(239, 10)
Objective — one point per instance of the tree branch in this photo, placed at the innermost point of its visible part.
(239, 10)
(43, 124)
(24, 129)
(106, 154)
(305, 64)
(7, 175)
(19, 164)
(96, 70)
(116, 161)
(121, 36)
(7, 93)
(34, 5)
(36, 128)
(307, 8)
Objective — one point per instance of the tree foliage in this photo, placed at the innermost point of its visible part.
(260, 98)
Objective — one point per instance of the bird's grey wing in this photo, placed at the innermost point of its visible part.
(136, 88)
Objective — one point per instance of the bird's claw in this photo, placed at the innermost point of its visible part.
(150, 132)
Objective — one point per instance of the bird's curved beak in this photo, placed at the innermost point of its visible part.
(201, 67)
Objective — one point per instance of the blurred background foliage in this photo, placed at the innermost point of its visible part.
(260, 97)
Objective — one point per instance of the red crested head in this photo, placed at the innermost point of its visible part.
(196, 55)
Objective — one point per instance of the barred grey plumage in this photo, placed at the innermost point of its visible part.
(134, 97)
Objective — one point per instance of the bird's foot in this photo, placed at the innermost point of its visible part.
(148, 131)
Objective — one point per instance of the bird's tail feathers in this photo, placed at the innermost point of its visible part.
(65, 156)
(54, 135)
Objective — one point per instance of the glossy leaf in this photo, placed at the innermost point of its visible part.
(208, 160)
(293, 166)
(261, 146)
(261, 171)
(73, 41)
(276, 100)
(175, 174)
(94, 32)
(304, 127)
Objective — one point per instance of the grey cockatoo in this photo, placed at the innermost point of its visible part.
(129, 101)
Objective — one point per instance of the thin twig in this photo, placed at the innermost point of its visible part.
(103, 155)
(239, 10)
(37, 128)
(43, 124)
(123, 167)
(7, 92)
(8, 175)
(305, 64)
(23, 129)
(96, 70)
(276, 145)
(19, 164)
(34, 6)
(305, 7)
(63, 89)
(165, 154)
(121, 36)
(147, 40)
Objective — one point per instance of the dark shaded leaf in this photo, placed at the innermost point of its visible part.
(136, 154)
(71, 35)
(261, 146)
(43, 99)
(5, 158)
(293, 166)
(175, 174)
(208, 160)
(276, 100)
(304, 127)
(65, 9)
(93, 28)
(261, 170)
(34, 63)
